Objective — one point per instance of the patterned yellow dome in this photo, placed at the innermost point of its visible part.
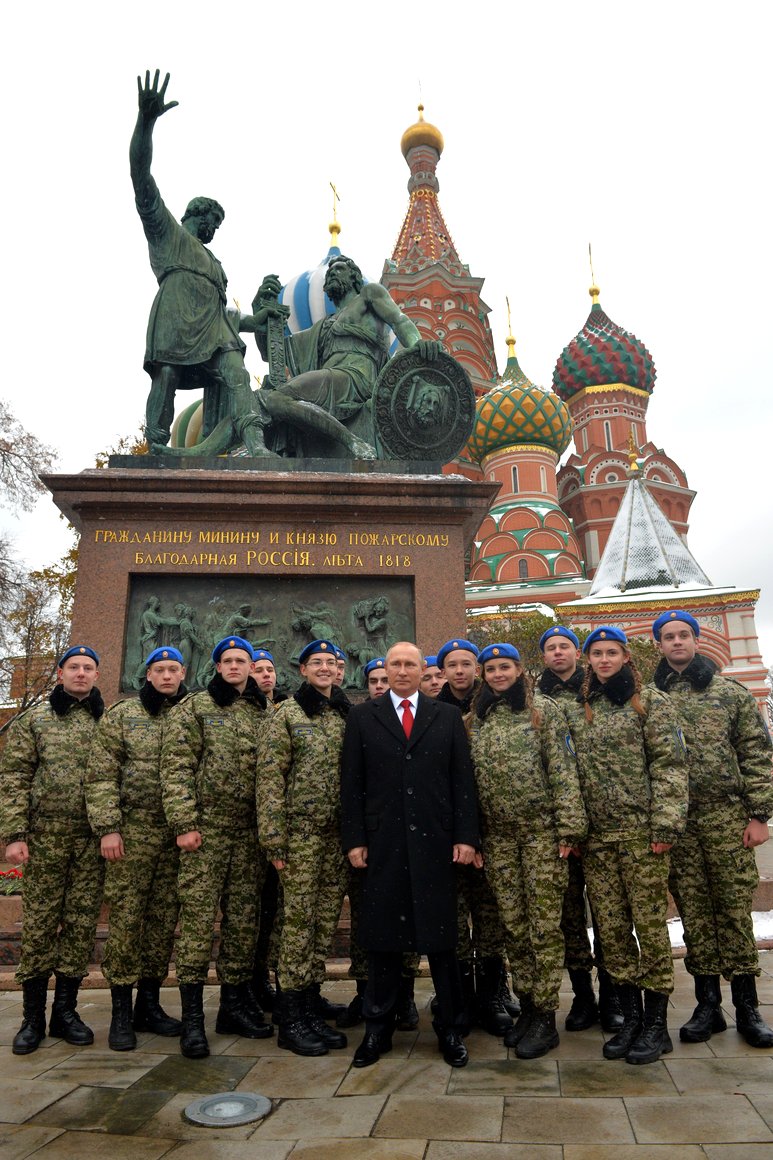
(516, 411)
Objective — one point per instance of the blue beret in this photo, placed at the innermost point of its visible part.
(495, 652)
(376, 663)
(231, 642)
(339, 652)
(78, 650)
(676, 614)
(431, 662)
(559, 630)
(262, 654)
(606, 632)
(165, 653)
(317, 646)
(451, 646)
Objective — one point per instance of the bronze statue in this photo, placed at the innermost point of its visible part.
(193, 340)
(335, 363)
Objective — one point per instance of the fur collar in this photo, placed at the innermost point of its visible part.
(618, 689)
(514, 698)
(549, 683)
(153, 701)
(313, 702)
(62, 702)
(698, 673)
(278, 697)
(448, 697)
(224, 694)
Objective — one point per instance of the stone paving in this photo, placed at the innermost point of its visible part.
(707, 1100)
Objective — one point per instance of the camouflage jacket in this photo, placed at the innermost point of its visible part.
(728, 748)
(42, 766)
(209, 753)
(299, 778)
(123, 769)
(633, 772)
(527, 778)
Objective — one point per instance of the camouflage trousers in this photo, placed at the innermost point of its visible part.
(528, 880)
(480, 929)
(62, 895)
(313, 884)
(574, 923)
(713, 877)
(142, 891)
(628, 887)
(224, 871)
(359, 958)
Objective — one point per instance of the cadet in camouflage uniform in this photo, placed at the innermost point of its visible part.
(481, 945)
(561, 680)
(43, 821)
(270, 917)
(298, 822)
(210, 750)
(532, 814)
(630, 754)
(123, 800)
(713, 868)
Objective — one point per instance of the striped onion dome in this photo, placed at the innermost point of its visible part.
(305, 296)
(516, 411)
(603, 354)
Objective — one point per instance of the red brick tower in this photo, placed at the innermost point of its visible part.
(426, 276)
(606, 375)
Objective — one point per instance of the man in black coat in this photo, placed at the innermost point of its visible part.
(408, 814)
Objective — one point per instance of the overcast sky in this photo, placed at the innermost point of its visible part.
(641, 127)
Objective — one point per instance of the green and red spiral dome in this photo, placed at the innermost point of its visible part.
(601, 354)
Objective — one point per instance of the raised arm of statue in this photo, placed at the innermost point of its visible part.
(152, 105)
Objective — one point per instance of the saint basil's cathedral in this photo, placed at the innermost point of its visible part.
(600, 539)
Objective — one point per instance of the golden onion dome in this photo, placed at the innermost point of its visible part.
(422, 133)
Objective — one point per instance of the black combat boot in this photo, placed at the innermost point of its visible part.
(193, 1039)
(262, 987)
(239, 1014)
(540, 1036)
(610, 1015)
(748, 1021)
(707, 1018)
(509, 1000)
(653, 1040)
(294, 1032)
(516, 1033)
(65, 1022)
(149, 1015)
(491, 1013)
(406, 1015)
(121, 1035)
(317, 1024)
(323, 1007)
(33, 1026)
(584, 1011)
(629, 998)
(352, 1015)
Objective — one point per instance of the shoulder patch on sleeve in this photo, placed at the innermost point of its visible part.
(679, 734)
(569, 744)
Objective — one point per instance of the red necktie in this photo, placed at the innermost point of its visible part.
(407, 717)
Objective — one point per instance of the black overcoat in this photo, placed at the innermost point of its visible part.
(409, 802)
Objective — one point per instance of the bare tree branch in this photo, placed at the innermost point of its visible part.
(22, 458)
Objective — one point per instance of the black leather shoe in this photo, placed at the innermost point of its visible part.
(371, 1049)
(454, 1051)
